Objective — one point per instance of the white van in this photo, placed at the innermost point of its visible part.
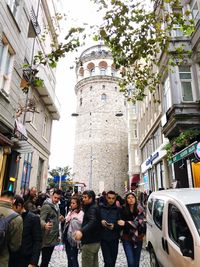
(173, 228)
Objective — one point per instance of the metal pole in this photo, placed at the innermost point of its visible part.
(90, 173)
(60, 182)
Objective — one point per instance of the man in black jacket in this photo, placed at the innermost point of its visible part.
(110, 214)
(29, 252)
(90, 231)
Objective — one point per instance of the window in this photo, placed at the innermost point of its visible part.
(103, 97)
(135, 135)
(102, 71)
(178, 227)
(186, 83)
(113, 72)
(177, 31)
(150, 205)
(6, 64)
(14, 7)
(81, 101)
(158, 212)
(44, 130)
(194, 10)
(26, 173)
(167, 101)
(92, 72)
(194, 210)
(157, 138)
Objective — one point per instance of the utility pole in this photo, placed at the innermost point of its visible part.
(91, 166)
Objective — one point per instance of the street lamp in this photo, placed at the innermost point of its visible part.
(119, 114)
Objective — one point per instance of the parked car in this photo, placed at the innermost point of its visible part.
(173, 228)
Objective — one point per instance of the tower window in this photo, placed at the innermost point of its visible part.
(81, 101)
(102, 71)
(103, 87)
(92, 72)
(103, 97)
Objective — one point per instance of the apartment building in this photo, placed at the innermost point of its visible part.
(176, 114)
(26, 118)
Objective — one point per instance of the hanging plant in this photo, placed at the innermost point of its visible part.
(183, 140)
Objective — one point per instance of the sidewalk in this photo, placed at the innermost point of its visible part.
(59, 259)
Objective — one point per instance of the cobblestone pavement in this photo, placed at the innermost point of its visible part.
(59, 259)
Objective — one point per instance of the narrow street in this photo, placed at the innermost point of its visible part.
(59, 259)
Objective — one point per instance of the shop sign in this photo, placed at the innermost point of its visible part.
(184, 153)
(152, 158)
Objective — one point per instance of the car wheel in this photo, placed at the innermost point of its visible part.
(153, 259)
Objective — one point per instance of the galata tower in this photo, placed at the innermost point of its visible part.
(101, 139)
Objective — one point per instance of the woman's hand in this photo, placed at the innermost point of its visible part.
(77, 235)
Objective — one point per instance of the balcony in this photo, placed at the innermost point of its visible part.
(47, 92)
(181, 117)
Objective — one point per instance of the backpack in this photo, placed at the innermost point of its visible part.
(4, 223)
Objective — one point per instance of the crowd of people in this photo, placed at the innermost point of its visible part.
(83, 222)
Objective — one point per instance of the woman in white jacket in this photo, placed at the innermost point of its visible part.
(73, 220)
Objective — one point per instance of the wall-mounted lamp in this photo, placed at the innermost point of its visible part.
(74, 114)
(119, 114)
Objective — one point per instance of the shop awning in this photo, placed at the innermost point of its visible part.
(135, 179)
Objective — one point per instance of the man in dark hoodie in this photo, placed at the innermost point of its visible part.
(110, 214)
(29, 252)
(90, 230)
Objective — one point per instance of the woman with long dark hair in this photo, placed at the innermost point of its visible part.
(73, 223)
(134, 227)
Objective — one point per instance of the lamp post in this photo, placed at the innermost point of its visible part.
(90, 173)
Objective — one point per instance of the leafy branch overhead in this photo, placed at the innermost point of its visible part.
(30, 73)
(138, 36)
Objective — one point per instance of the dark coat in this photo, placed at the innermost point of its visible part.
(91, 225)
(110, 214)
(14, 233)
(31, 241)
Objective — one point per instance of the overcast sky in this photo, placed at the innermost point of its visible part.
(63, 133)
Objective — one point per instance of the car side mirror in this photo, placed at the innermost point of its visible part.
(183, 247)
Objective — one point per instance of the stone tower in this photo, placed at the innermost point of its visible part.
(101, 146)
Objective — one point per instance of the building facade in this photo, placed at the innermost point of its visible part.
(174, 116)
(101, 146)
(25, 119)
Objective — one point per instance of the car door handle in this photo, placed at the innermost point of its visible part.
(165, 245)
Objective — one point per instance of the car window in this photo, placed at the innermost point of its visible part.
(158, 212)
(194, 210)
(178, 227)
(150, 205)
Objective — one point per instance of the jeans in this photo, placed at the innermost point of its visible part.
(109, 251)
(72, 255)
(46, 256)
(132, 252)
(90, 255)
